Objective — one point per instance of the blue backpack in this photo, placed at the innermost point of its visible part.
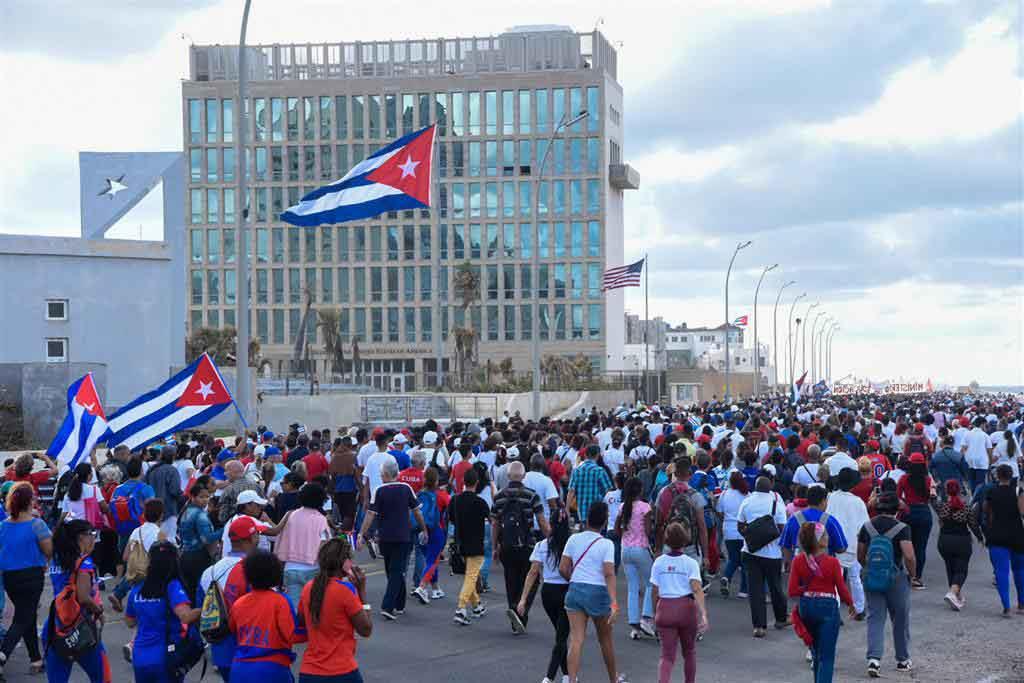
(127, 511)
(880, 566)
(429, 510)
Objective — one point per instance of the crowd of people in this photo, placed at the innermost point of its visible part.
(245, 548)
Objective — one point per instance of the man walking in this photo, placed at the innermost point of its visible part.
(469, 513)
(515, 510)
(849, 510)
(588, 483)
(166, 483)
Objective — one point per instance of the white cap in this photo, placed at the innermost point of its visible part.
(770, 468)
(400, 438)
(246, 497)
(429, 438)
(352, 431)
(259, 450)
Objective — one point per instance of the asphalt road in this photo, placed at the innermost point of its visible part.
(425, 646)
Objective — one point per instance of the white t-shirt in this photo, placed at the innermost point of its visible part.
(365, 451)
(641, 452)
(977, 443)
(372, 470)
(263, 543)
(220, 571)
(852, 514)
(806, 474)
(613, 499)
(147, 534)
(76, 508)
(185, 469)
(614, 458)
(1001, 458)
(672, 575)
(756, 505)
(604, 438)
(540, 554)
(542, 485)
(588, 565)
(729, 506)
(960, 436)
(840, 462)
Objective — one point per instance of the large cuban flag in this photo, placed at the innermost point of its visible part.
(83, 426)
(190, 398)
(394, 178)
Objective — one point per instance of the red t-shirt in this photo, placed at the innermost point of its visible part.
(828, 580)
(332, 643)
(413, 476)
(804, 445)
(556, 470)
(443, 501)
(909, 495)
(34, 478)
(316, 465)
(264, 625)
(879, 464)
(458, 473)
(863, 489)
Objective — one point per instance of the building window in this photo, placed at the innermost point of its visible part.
(56, 349)
(56, 309)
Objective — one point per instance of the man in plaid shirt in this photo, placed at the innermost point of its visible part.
(588, 483)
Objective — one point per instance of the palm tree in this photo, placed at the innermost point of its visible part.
(466, 282)
(329, 320)
(301, 344)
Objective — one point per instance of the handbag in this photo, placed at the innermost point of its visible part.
(185, 652)
(762, 530)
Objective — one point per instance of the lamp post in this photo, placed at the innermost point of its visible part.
(822, 338)
(814, 358)
(535, 255)
(803, 336)
(241, 254)
(741, 245)
(790, 344)
(775, 330)
(757, 351)
(831, 335)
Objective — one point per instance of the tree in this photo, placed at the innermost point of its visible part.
(220, 343)
(329, 320)
(974, 386)
(301, 343)
(466, 282)
(505, 368)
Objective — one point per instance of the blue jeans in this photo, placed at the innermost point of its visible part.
(294, 581)
(735, 550)
(977, 478)
(485, 571)
(920, 521)
(821, 617)
(396, 562)
(1004, 563)
(636, 562)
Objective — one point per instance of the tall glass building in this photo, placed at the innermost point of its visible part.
(532, 236)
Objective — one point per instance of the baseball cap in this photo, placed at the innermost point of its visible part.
(377, 431)
(226, 455)
(244, 527)
(400, 438)
(246, 497)
(271, 450)
(268, 436)
(917, 458)
(429, 438)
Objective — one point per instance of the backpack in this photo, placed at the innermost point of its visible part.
(126, 512)
(801, 519)
(138, 558)
(703, 487)
(213, 617)
(880, 566)
(429, 510)
(681, 510)
(915, 444)
(77, 633)
(516, 528)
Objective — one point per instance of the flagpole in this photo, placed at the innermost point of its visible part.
(242, 255)
(436, 261)
(647, 326)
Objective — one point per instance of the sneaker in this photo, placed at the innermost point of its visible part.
(421, 595)
(759, 633)
(388, 614)
(951, 600)
(905, 665)
(371, 547)
(634, 634)
(809, 657)
(437, 594)
(918, 585)
(1007, 614)
(461, 617)
(723, 587)
(860, 616)
(874, 668)
(126, 652)
(479, 610)
(115, 602)
(742, 596)
(486, 588)
(399, 612)
(647, 628)
(518, 627)
(779, 625)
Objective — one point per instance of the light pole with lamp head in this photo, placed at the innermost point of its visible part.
(241, 220)
(790, 342)
(822, 334)
(757, 351)
(814, 364)
(803, 336)
(831, 336)
(775, 331)
(741, 245)
(535, 255)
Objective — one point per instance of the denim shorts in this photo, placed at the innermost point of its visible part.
(588, 598)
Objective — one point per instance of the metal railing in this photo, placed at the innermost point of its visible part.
(410, 408)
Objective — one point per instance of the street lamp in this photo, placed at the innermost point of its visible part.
(830, 337)
(741, 245)
(775, 330)
(822, 334)
(790, 344)
(814, 358)
(757, 351)
(535, 255)
(803, 336)
(241, 253)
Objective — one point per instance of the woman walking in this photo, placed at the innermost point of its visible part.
(1004, 530)
(635, 525)
(544, 562)
(25, 549)
(681, 613)
(729, 506)
(82, 500)
(264, 624)
(588, 564)
(332, 610)
(303, 531)
(198, 538)
(816, 578)
(916, 489)
(160, 607)
(956, 524)
(433, 503)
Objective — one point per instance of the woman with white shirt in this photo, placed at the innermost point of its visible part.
(1006, 451)
(729, 507)
(83, 500)
(588, 563)
(544, 562)
(681, 612)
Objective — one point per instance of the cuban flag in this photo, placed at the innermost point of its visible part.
(740, 321)
(83, 426)
(394, 178)
(798, 387)
(192, 397)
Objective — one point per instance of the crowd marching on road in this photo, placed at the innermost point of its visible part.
(242, 551)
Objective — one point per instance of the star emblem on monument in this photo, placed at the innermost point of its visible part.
(114, 185)
(409, 167)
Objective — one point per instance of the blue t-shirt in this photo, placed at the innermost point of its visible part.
(155, 617)
(134, 489)
(217, 473)
(19, 544)
(836, 539)
(401, 458)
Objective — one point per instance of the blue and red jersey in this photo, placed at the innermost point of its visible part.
(263, 622)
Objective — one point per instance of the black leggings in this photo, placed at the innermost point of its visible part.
(552, 595)
(24, 588)
(193, 564)
(955, 550)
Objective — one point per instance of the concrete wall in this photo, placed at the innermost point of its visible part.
(44, 395)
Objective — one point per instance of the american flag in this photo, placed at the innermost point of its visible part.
(623, 276)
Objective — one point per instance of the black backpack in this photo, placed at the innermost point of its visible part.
(516, 526)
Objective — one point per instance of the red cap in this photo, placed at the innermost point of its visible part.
(918, 427)
(219, 442)
(965, 421)
(377, 431)
(917, 459)
(658, 439)
(244, 528)
(405, 430)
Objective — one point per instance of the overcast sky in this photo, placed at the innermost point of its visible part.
(872, 149)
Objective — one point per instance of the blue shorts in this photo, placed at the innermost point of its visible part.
(588, 598)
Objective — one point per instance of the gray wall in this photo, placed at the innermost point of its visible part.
(44, 395)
